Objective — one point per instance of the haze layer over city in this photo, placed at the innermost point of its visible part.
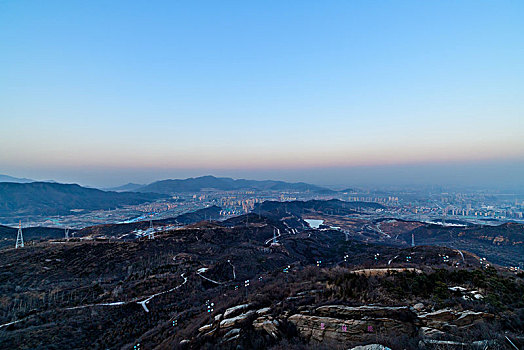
(262, 175)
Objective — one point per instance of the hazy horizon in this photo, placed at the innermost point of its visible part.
(501, 175)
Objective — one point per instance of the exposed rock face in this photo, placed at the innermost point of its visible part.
(446, 318)
(231, 335)
(359, 312)
(231, 322)
(263, 311)
(236, 310)
(436, 318)
(371, 347)
(345, 324)
(205, 328)
(321, 328)
(268, 324)
(431, 333)
(341, 323)
(449, 344)
(468, 317)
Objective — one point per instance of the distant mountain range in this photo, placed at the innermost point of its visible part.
(227, 184)
(44, 198)
(197, 184)
(23, 197)
(7, 178)
(127, 187)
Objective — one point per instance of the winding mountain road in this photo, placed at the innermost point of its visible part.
(143, 301)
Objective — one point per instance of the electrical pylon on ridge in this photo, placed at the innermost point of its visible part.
(151, 234)
(19, 237)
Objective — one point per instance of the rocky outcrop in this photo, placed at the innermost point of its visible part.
(468, 317)
(340, 323)
(267, 324)
(371, 347)
(449, 344)
(446, 318)
(205, 328)
(231, 335)
(360, 312)
(233, 321)
(436, 318)
(345, 324)
(320, 328)
(236, 310)
(263, 311)
(431, 333)
(238, 316)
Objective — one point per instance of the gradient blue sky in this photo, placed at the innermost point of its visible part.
(102, 92)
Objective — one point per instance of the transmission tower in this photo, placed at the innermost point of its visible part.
(151, 234)
(19, 237)
(412, 239)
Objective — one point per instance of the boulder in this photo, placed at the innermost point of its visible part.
(418, 307)
(205, 328)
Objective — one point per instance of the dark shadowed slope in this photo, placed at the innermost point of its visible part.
(333, 206)
(52, 198)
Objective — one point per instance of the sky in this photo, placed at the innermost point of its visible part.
(340, 92)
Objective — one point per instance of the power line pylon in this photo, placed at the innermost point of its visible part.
(151, 234)
(19, 237)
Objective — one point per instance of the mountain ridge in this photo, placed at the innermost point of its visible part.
(8, 178)
(129, 187)
(197, 184)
